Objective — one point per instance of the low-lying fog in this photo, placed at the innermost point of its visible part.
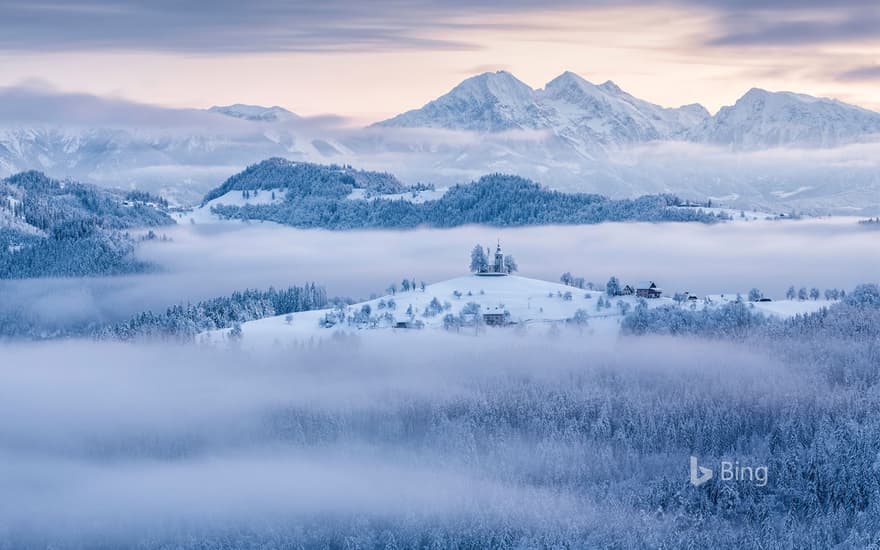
(124, 444)
(209, 260)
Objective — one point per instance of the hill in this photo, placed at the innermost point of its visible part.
(51, 228)
(459, 304)
(330, 197)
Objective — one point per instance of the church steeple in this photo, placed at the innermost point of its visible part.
(499, 259)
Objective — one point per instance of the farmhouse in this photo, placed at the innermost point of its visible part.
(647, 289)
(496, 317)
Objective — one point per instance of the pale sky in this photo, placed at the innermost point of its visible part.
(370, 60)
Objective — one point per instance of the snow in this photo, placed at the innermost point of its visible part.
(529, 302)
(778, 308)
(416, 197)
(255, 113)
(202, 214)
(763, 120)
(787, 194)
(532, 304)
(589, 117)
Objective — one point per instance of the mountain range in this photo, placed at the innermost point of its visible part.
(600, 117)
(571, 134)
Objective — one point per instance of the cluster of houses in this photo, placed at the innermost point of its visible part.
(644, 289)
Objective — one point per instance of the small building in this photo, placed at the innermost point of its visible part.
(408, 324)
(494, 319)
(627, 290)
(648, 289)
(496, 265)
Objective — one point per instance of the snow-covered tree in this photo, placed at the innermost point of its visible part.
(510, 265)
(479, 260)
(612, 287)
(755, 295)
(790, 293)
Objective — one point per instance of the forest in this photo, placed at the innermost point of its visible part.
(316, 198)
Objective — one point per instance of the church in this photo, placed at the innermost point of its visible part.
(485, 264)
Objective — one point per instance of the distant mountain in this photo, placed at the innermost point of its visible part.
(490, 102)
(600, 118)
(763, 120)
(589, 117)
(254, 112)
(571, 134)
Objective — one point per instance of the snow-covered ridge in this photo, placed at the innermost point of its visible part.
(763, 120)
(588, 116)
(599, 117)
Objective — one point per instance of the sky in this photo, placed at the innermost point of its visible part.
(369, 60)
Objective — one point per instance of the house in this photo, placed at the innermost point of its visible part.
(496, 317)
(416, 324)
(627, 290)
(647, 289)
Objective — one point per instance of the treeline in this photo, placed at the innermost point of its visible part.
(184, 321)
(497, 200)
(856, 315)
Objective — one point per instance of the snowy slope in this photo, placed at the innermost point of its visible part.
(763, 120)
(489, 102)
(589, 115)
(202, 214)
(532, 304)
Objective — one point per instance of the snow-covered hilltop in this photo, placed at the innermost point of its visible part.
(472, 304)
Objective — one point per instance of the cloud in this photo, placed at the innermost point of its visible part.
(870, 72)
(123, 445)
(793, 29)
(228, 27)
(206, 261)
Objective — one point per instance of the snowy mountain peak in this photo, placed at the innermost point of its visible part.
(589, 118)
(763, 119)
(610, 87)
(488, 102)
(254, 112)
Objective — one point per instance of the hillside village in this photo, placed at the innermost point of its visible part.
(492, 297)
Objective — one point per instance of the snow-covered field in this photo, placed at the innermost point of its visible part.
(202, 213)
(416, 197)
